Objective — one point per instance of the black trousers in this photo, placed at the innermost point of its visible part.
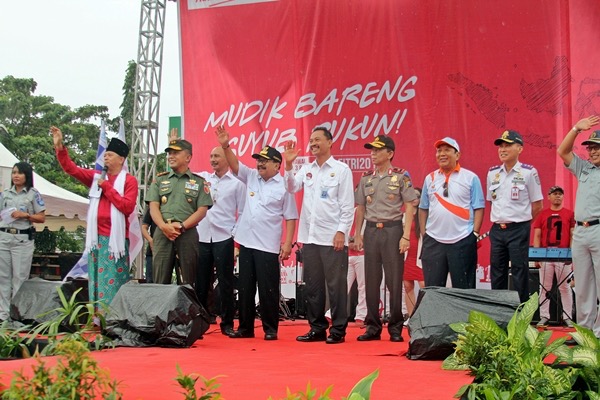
(459, 259)
(219, 255)
(262, 268)
(325, 268)
(382, 254)
(185, 247)
(510, 244)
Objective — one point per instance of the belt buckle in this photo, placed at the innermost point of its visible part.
(379, 225)
(503, 226)
(12, 231)
(585, 224)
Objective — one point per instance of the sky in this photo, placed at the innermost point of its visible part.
(77, 51)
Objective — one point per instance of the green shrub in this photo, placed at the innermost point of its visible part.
(509, 364)
(75, 376)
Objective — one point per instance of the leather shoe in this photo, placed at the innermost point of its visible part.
(367, 337)
(227, 331)
(241, 335)
(570, 342)
(396, 338)
(335, 339)
(270, 336)
(312, 336)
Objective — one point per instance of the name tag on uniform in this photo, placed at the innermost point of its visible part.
(514, 193)
(192, 186)
(324, 193)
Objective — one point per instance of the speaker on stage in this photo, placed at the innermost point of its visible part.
(143, 315)
(38, 296)
(431, 337)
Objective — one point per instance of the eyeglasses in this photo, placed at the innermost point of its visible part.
(592, 148)
(445, 193)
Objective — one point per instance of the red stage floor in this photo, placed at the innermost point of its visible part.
(257, 369)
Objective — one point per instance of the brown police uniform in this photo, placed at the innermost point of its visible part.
(179, 196)
(383, 197)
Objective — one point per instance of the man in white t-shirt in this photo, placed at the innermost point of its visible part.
(450, 215)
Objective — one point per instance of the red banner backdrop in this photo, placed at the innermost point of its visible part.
(417, 71)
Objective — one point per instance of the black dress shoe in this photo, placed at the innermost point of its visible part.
(312, 336)
(335, 339)
(270, 336)
(570, 342)
(241, 335)
(396, 338)
(227, 331)
(367, 337)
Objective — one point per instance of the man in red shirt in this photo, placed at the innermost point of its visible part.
(553, 227)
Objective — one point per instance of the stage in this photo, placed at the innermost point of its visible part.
(257, 369)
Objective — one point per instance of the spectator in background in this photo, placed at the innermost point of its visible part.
(412, 271)
(356, 272)
(586, 236)
(450, 216)
(21, 206)
(553, 227)
(148, 228)
(515, 192)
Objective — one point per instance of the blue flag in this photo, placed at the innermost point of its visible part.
(80, 270)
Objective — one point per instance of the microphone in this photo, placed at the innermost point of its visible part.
(104, 170)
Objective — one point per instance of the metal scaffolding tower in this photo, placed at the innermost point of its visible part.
(147, 94)
(147, 101)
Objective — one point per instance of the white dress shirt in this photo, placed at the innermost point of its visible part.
(512, 193)
(228, 196)
(328, 202)
(267, 205)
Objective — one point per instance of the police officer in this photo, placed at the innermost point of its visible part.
(21, 205)
(586, 243)
(178, 201)
(379, 197)
(515, 192)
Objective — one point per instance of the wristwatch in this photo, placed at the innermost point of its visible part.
(182, 228)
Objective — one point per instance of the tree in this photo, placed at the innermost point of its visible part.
(27, 118)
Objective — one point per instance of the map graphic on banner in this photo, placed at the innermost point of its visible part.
(416, 71)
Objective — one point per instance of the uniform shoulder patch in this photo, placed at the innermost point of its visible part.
(495, 167)
(367, 173)
(163, 173)
(38, 197)
(527, 166)
(398, 170)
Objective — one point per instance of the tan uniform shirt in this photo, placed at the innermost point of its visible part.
(383, 196)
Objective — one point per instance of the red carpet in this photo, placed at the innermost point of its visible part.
(256, 369)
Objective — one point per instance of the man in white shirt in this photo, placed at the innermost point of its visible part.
(515, 192)
(450, 215)
(325, 221)
(259, 234)
(215, 233)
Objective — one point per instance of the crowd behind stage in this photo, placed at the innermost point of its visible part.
(382, 231)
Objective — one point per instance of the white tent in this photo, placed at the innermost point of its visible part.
(62, 206)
